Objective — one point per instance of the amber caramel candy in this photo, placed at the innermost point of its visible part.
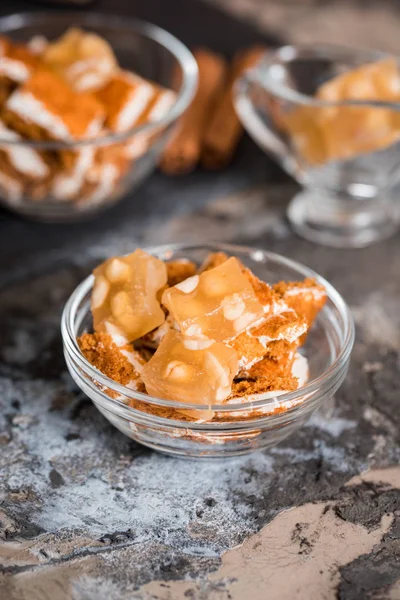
(124, 297)
(216, 305)
(341, 132)
(193, 376)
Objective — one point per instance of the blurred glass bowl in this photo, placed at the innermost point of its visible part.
(140, 47)
(349, 199)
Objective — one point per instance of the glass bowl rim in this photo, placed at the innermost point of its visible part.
(291, 52)
(182, 54)
(286, 400)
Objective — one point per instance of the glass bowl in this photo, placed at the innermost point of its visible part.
(140, 47)
(349, 197)
(237, 428)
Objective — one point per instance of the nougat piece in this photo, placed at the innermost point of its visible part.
(46, 108)
(17, 61)
(83, 59)
(179, 270)
(216, 305)
(125, 98)
(122, 364)
(194, 376)
(21, 161)
(159, 106)
(124, 297)
(101, 182)
(306, 297)
(68, 182)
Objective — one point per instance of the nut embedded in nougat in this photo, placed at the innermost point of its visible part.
(216, 305)
(193, 376)
(124, 297)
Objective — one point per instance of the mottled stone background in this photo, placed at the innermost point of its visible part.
(87, 514)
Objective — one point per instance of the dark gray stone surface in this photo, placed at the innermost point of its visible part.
(89, 514)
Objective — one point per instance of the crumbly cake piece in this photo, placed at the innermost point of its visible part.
(122, 364)
(280, 349)
(179, 270)
(268, 367)
(21, 161)
(262, 385)
(46, 108)
(306, 297)
(278, 359)
(252, 345)
(214, 259)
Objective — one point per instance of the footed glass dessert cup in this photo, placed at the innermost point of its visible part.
(344, 153)
(243, 425)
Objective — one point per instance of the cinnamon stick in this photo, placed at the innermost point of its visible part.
(224, 129)
(183, 152)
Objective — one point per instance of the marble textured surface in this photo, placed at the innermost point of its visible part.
(87, 514)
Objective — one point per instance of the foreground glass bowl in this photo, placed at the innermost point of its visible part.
(241, 427)
(346, 202)
(141, 47)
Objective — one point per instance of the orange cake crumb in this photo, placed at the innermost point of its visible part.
(268, 367)
(179, 270)
(100, 350)
(252, 345)
(215, 259)
(279, 349)
(262, 385)
(305, 297)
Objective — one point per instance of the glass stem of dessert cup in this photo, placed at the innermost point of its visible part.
(340, 205)
(342, 220)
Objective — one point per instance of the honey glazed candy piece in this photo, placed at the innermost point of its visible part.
(216, 305)
(124, 297)
(192, 376)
